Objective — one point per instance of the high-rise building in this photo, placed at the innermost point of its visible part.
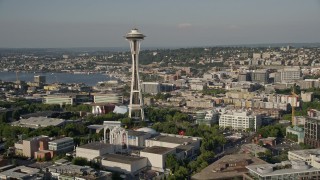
(244, 77)
(311, 132)
(40, 80)
(261, 76)
(150, 87)
(290, 74)
(136, 102)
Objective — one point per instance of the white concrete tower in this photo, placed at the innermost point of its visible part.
(136, 102)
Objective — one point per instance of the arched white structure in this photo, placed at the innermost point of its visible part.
(119, 138)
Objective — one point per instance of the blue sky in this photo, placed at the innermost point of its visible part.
(166, 23)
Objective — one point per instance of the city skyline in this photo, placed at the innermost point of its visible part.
(60, 24)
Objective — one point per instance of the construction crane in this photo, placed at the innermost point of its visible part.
(294, 101)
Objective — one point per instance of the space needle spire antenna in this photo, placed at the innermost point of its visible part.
(136, 110)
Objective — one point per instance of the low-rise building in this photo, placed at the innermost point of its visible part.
(72, 172)
(137, 138)
(107, 98)
(298, 131)
(59, 99)
(200, 103)
(60, 146)
(253, 149)
(198, 86)
(207, 117)
(156, 156)
(94, 150)
(303, 155)
(28, 147)
(307, 96)
(173, 141)
(294, 169)
(37, 122)
(20, 172)
(228, 167)
(102, 108)
(124, 163)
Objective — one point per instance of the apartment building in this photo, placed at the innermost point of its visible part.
(311, 129)
(240, 120)
(289, 74)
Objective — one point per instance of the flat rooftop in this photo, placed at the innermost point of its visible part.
(283, 168)
(70, 168)
(125, 159)
(36, 122)
(175, 139)
(253, 148)
(64, 139)
(157, 150)
(20, 172)
(95, 146)
(95, 127)
(306, 153)
(136, 133)
(39, 114)
(210, 172)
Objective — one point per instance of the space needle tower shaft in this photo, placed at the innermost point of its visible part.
(136, 110)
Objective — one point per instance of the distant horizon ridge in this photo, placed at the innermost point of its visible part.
(177, 47)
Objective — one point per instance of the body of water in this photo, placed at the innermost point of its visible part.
(89, 79)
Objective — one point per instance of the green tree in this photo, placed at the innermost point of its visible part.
(181, 173)
(171, 162)
(80, 161)
(16, 115)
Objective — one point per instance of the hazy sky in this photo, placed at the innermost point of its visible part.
(166, 23)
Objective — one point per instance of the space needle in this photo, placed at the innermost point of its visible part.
(136, 102)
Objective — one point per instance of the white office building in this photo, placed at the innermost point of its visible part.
(303, 155)
(290, 74)
(240, 120)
